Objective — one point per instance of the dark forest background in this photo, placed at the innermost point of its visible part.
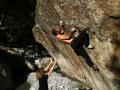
(16, 21)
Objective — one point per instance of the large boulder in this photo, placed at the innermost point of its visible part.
(103, 18)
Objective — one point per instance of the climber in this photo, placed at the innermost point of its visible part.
(75, 42)
(38, 79)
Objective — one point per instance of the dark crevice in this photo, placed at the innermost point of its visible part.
(115, 17)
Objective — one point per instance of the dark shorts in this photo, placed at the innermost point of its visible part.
(82, 39)
(43, 84)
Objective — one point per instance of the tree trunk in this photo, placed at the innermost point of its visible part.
(102, 17)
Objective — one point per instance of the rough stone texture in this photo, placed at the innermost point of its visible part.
(57, 81)
(103, 19)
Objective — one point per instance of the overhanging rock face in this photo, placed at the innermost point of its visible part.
(104, 35)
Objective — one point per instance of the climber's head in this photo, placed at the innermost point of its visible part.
(57, 30)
